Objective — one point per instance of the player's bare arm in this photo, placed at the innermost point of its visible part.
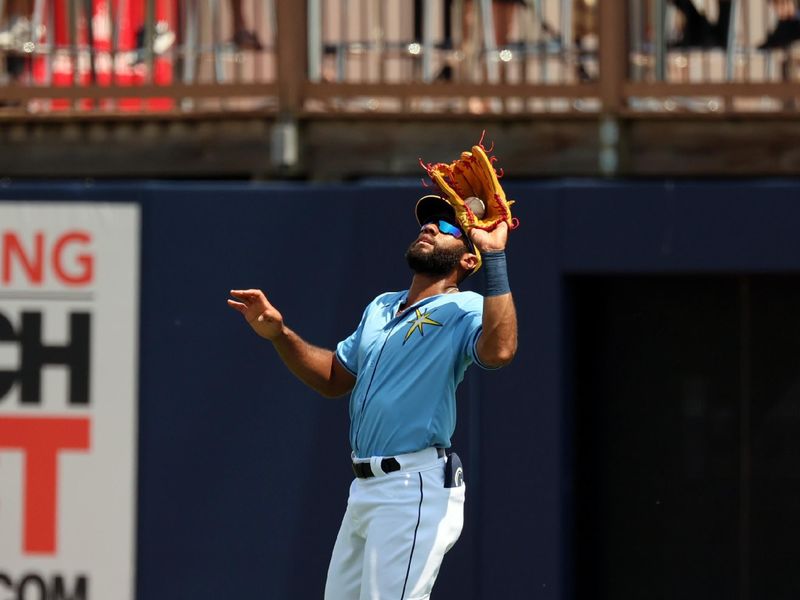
(317, 367)
(497, 344)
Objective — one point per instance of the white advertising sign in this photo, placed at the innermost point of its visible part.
(69, 298)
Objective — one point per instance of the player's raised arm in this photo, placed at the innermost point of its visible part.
(317, 367)
(497, 344)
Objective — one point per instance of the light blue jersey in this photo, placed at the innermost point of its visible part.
(407, 369)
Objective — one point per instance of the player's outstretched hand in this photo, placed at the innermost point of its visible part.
(264, 318)
(490, 241)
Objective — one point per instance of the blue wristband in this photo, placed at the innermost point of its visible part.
(494, 263)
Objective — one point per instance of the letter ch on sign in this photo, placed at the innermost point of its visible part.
(75, 355)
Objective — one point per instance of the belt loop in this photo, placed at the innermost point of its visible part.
(375, 465)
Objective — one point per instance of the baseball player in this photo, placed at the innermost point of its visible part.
(402, 365)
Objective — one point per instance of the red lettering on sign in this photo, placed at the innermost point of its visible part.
(32, 266)
(41, 439)
(65, 257)
(86, 273)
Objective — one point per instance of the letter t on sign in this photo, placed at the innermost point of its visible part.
(41, 439)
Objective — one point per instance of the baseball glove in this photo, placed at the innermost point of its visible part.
(469, 178)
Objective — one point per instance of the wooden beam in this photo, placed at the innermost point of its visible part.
(176, 115)
(613, 20)
(324, 91)
(292, 63)
(784, 90)
(176, 91)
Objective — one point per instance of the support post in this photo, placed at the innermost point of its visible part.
(292, 51)
(613, 54)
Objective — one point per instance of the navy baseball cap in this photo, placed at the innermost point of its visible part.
(432, 207)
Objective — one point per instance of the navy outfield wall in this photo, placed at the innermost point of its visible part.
(243, 472)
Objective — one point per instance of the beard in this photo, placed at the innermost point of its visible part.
(439, 262)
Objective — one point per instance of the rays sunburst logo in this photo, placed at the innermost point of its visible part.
(418, 323)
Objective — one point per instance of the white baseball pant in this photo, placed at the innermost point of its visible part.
(395, 532)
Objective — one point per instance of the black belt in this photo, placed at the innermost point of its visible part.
(388, 465)
(363, 469)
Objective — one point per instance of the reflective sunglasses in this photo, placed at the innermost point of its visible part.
(447, 228)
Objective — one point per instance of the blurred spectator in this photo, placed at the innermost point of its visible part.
(585, 19)
(585, 29)
(243, 38)
(788, 28)
(698, 31)
(163, 38)
(503, 14)
(15, 32)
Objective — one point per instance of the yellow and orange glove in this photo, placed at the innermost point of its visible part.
(473, 176)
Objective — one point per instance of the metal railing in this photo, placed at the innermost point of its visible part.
(317, 57)
(448, 55)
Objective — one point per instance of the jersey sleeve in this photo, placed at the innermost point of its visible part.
(347, 349)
